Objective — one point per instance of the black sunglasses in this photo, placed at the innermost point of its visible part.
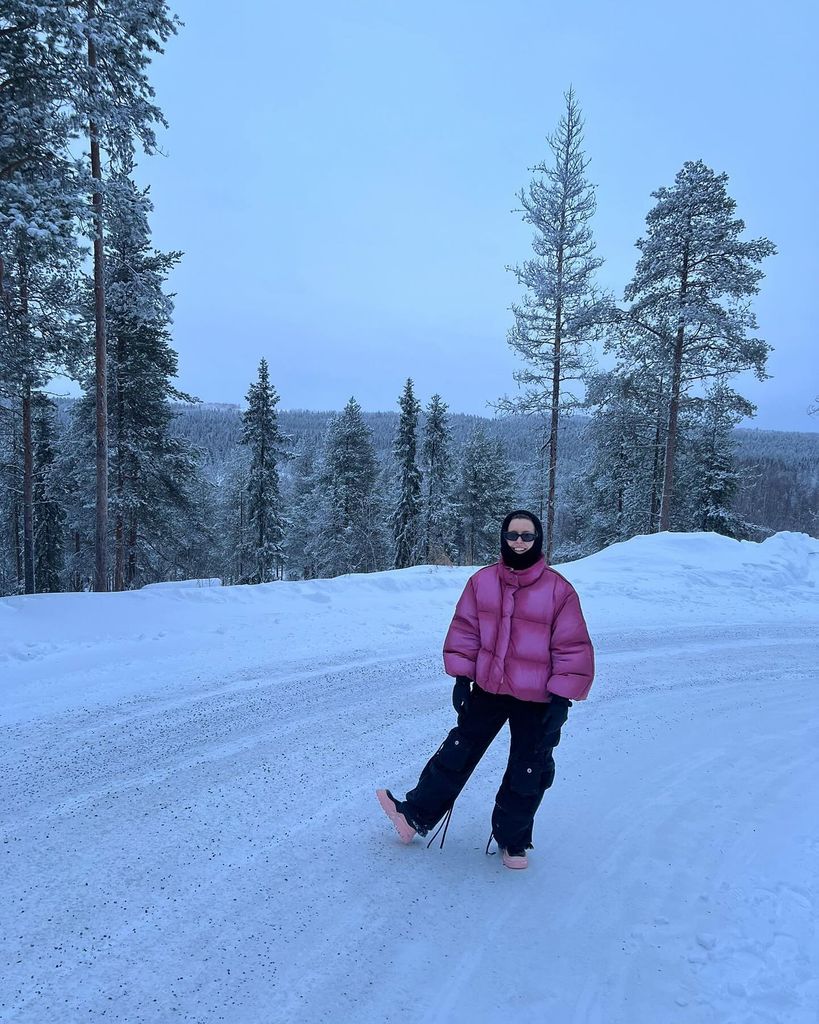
(513, 535)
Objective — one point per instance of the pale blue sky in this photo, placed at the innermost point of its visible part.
(341, 179)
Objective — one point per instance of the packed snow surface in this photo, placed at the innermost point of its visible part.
(189, 831)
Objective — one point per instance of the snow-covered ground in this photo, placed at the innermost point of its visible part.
(189, 831)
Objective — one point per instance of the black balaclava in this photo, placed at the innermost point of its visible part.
(512, 558)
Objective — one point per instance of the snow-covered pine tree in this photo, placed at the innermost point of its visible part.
(304, 502)
(351, 534)
(260, 432)
(617, 495)
(74, 468)
(689, 297)
(708, 469)
(233, 541)
(436, 457)
(196, 548)
(49, 515)
(484, 495)
(406, 516)
(40, 199)
(151, 471)
(108, 50)
(34, 86)
(11, 558)
(561, 309)
(37, 326)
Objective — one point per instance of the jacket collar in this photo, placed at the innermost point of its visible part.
(526, 577)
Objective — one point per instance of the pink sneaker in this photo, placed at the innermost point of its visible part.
(405, 831)
(517, 859)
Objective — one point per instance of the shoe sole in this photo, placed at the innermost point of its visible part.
(406, 833)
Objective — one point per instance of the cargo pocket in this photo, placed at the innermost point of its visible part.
(525, 777)
(532, 778)
(454, 751)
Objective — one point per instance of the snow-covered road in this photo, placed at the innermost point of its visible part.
(216, 854)
(189, 830)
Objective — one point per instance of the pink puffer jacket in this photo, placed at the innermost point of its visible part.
(521, 633)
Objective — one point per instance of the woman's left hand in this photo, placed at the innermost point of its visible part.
(460, 693)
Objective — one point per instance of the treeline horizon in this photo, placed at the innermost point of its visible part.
(209, 533)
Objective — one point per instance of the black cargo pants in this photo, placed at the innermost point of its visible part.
(535, 732)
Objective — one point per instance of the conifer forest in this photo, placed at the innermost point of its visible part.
(622, 418)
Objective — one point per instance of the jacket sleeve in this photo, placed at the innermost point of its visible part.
(463, 640)
(571, 650)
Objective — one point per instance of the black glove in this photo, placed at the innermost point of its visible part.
(559, 702)
(460, 693)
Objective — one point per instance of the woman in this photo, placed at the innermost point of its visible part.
(520, 652)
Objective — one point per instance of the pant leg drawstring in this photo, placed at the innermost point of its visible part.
(443, 825)
(489, 843)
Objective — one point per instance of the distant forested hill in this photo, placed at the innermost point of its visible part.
(779, 469)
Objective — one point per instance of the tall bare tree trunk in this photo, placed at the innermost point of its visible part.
(131, 572)
(119, 518)
(542, 474)
(119, 552)
(241, 534)
(674, 405)
(671, 439)
(76, 579)
(28, 456)
(28, 493)
(15, 512)
(550, 501)
(100, 355)
(18, 551)
(261, 561)
(558, 337)
(655, 479)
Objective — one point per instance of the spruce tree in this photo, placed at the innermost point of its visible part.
(689, 297)
(197, 539)
(351, 534)
(75, 471)
(616, 495)
(49, 516)
(40, 201)
(302, 543)
(11, 563)
(406, 517)
(709, 473)
(561, 308)
(485, 494)
(235, 542)
(152, 472)
(436, 455)
(36, 329)
(266, 444)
